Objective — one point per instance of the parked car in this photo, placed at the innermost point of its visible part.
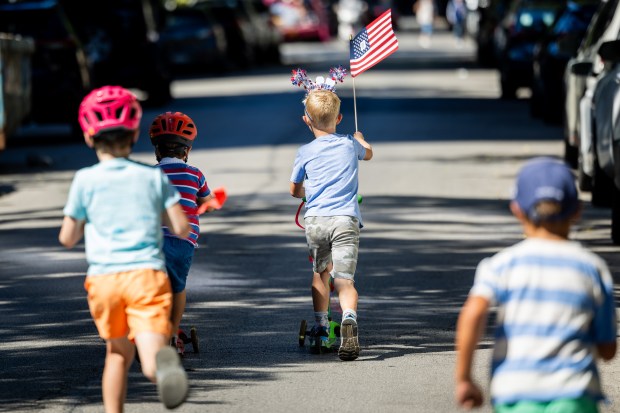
(514, 39)
(489, 14)
(122, 38)
(251, 36)
(604, 140)
(551, 55)
(598, 109)
(260, 31)
(60, 72)
(300, 20)
(193, 41)
(604, 26)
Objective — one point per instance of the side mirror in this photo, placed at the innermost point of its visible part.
(610, 51)
(581, 68)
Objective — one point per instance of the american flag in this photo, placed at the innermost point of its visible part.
(373, 44)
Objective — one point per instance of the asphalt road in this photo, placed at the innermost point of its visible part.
(435, 203)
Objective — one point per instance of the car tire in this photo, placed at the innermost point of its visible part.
(615, 216)
(602, 187)
(509, 90)
(584, 181)
(571, 155)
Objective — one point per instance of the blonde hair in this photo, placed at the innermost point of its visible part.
(323, 108)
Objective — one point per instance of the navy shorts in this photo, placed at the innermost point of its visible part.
(179, 254)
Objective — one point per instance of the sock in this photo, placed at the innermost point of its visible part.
(321, 318)
(348, 313)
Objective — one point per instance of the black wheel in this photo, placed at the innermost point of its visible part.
(193, 336)
(602, 187)
(509, 91)
(183, 337)
(302, 333)
(571, 155)
(615, 215)
(584, 181)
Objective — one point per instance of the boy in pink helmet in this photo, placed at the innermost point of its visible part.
(118, 206)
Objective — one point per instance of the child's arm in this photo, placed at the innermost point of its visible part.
(298, 190)
(469, 329)
(174, 218)
(202, 200)
(71, 232)
(360, 138)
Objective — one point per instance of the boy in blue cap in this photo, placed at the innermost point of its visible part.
(555, 307)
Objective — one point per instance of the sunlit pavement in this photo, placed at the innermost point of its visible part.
(435, 203)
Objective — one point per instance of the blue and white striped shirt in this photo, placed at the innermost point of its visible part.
(554, 305)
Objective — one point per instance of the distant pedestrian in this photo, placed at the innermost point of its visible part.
(425, 16)
(555, 307)
(118, 206)
(325, 172)
(173, 134)
(456, 14)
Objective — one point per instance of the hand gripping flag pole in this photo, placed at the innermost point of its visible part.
(371, 45)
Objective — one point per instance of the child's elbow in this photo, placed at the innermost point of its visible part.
(65, 242)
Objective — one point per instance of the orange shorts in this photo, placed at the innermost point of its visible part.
(130, 303)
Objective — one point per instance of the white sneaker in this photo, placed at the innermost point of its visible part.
(172, 385)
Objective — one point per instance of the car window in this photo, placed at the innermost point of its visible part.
(573, 20)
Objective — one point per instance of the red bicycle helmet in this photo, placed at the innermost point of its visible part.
(172, 127)
(109, 107)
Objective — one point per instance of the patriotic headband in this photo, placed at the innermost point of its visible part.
(300, 78)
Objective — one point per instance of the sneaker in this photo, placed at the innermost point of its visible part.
(350, 346)
(172, 385)
(318, 338)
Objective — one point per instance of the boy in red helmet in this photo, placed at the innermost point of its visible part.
(172, 134)
(118, 206)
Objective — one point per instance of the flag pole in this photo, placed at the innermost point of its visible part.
(354, 98)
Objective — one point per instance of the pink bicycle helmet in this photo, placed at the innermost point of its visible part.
(109, 107)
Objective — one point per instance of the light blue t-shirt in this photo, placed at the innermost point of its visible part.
(555, 303)
(122, 203)
(329, 167)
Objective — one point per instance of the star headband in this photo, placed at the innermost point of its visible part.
(300, 78)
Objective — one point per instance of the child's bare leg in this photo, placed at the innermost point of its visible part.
(148, 345)
(119, 356)
(320, 290)
(178, 308)
(347, 294)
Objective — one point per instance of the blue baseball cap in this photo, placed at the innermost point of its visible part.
(546, 179)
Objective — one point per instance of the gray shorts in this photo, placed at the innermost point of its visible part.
(333, 239)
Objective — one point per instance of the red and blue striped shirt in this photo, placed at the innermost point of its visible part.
(191, 184)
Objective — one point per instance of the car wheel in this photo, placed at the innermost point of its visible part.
(509, 90)
(571, 155)
(615, 215)
(602, 187)
(584, 181)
